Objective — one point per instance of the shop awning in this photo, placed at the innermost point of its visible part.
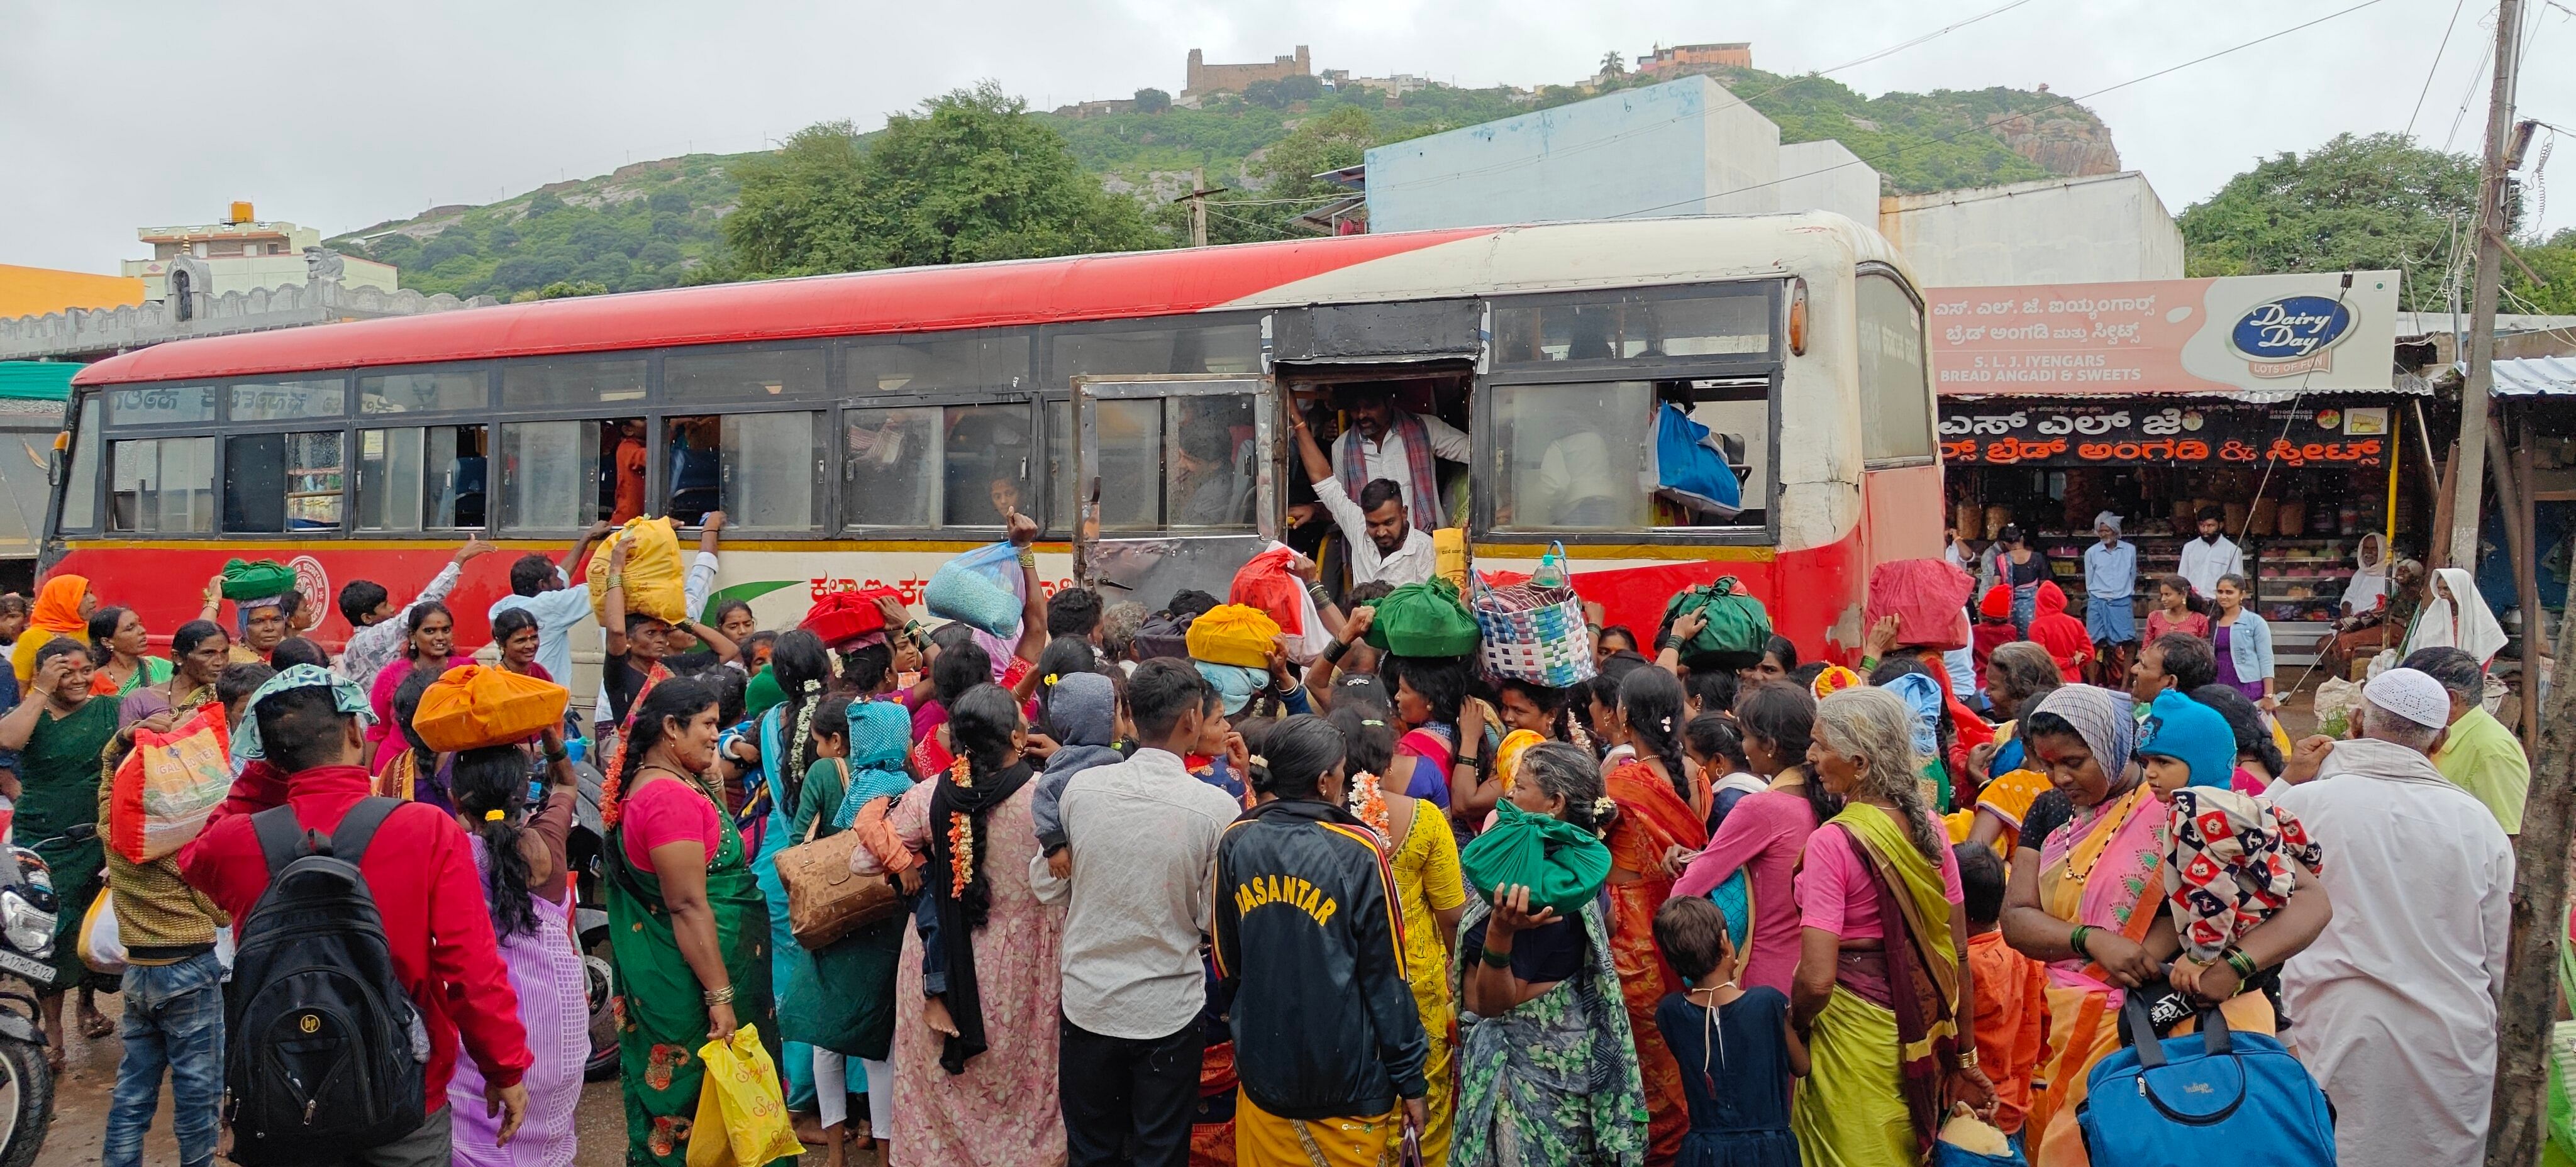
(36, 380)
(2249, 338)
(2533, 377)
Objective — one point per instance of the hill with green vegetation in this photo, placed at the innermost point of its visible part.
(656, 224)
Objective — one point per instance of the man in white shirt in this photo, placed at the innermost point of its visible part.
(2210, 558)
(1142, 835)
(2396, 999)
(1384, 543)
(1380, 445)
(543, 587)
(377, 628)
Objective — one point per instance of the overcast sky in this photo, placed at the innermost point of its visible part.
(114, 116)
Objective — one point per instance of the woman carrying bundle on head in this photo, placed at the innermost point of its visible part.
(428, 651)
(1547, 1063)
(522, 857)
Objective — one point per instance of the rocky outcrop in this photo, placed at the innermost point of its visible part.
(2064, 146)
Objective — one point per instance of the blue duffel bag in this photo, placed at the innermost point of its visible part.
(2178, 1102)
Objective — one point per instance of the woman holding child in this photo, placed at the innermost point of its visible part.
(2090, 881)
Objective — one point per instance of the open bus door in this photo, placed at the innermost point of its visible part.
(1178, 482)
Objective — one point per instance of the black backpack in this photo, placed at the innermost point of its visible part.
(323, 1051)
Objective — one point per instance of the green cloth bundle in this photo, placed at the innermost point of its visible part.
(762, 694)
(1563, 865)
(244, 580)
(1423, 619)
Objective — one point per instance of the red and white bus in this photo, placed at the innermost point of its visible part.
(863, 428)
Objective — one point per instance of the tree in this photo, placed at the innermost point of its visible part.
(1329, 141)
(2377, 201)
(972, 176)
(1264, 93)
(1152, 101)
(561, 289)
(1613, 65)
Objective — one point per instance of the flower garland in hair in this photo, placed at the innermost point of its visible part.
(961, 835)
(1368, 801)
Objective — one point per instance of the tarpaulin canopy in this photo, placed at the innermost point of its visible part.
(36, 380)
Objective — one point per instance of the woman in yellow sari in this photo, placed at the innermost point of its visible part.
(61, 611)
(2010, 779)
(2087, 890)
(1882, 990)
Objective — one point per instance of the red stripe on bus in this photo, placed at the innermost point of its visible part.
(922, 299)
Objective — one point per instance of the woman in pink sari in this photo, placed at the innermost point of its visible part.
(429, 646)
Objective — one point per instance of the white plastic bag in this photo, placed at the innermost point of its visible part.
(101, 948)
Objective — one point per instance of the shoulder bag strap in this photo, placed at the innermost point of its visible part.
(358, 828)
(281, 839)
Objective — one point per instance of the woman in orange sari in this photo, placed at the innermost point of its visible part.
(2087, 888)
(1661, 807)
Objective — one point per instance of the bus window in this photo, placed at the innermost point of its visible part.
(80, 491)
(761, 469)
(161, 405)
(288, 400)
(425, 392)
(1632, 327)
(572, 382)
(985, 473)
(564, 475)
(275, 483)
(1895, 397)
(162, 486)
(1570, 455)
(742, 375)
(886, 479)
(421, 477)
(1131, 464)
(1176, 463)
(934, 363)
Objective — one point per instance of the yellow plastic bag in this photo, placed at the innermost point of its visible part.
(654, 575)
(742, 1114)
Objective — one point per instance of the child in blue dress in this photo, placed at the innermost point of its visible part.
(1737, 1053)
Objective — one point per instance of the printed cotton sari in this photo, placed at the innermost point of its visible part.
(661, 1015)
(2105, 869)
(1554, 1080)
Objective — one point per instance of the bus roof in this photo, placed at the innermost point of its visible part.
(1343, 269)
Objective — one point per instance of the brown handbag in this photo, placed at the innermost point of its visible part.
(825, 899)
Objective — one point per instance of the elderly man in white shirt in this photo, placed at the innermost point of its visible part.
(1380, 444)
(1384, 543)
(2395, 1002)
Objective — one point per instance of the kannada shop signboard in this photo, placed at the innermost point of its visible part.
(2001, 434)
(2284, 334)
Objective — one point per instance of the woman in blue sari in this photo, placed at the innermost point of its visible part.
(803, 669)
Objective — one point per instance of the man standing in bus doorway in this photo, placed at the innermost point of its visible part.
(1384, 543)
(377, 629)
(1386, 442)
(2110, 612)
(2210, 558)
(630, 471)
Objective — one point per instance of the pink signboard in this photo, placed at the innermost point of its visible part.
(2235, 334)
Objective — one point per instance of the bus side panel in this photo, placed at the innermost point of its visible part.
(1901, 511)
(1813, 595)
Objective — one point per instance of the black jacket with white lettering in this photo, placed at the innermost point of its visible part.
(1309, 937)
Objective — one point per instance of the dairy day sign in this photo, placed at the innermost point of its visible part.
(2258, 335)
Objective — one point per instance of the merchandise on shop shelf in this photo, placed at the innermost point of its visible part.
(2266, 512)
(2236, 515)
(1997, 518)
(2294, 514)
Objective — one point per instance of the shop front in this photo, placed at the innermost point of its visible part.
(2272, 399)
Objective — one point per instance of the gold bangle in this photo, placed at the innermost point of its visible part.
(715, 997)
(1967, 1059)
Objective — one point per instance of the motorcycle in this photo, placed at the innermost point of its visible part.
(590, 924)
(27, 911)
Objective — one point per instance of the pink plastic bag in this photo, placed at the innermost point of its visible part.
(1928, 597)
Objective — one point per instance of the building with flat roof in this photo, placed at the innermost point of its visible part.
(34, 291)
(2096, 229)
(1729, 54)
(1205, 78)
(243, 253)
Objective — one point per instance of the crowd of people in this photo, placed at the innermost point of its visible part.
(1168, 890)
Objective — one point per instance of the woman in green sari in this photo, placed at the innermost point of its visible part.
(1882, 989)
(687, 924)
(58, 731)
(117, 643)
(1547, 1064)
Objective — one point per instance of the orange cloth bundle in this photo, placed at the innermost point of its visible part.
(474, 706)
(1234, 634)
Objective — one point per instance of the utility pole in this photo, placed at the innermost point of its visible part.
(2482, 308)
(1198, 207)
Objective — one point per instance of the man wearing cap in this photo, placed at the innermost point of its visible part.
(2396, 999)
(2110, 612)
(2480, 755)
